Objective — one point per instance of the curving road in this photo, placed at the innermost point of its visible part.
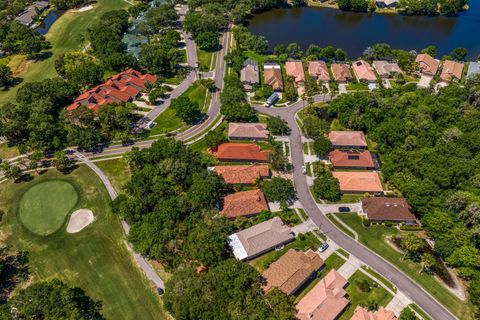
(428, 303)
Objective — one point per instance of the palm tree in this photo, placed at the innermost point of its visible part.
(428, 262)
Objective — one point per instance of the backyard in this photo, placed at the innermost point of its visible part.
(374, 238)
(362, 290)
(95, 259)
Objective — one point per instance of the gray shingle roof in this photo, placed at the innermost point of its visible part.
(473, 69)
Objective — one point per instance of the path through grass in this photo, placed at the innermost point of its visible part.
(95, 259)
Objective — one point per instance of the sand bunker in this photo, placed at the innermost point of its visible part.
(79, 220)
(83, 9)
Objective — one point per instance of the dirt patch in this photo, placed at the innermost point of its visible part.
(79, 220)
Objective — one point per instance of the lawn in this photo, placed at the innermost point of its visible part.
(117, 171)
(67, 33)
(334, 261)
(357, 296)
(348, 198)
(95, 259)
(340, 226)
(205, 59)
(387, 283)
(302, 242)
(44, 207)
(196, 93)
(357, 86)
(166, 122)
(373, 237)
(8, 152)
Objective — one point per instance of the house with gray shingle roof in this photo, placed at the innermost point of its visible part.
(28, 16)
(249, 75)
(473, 69)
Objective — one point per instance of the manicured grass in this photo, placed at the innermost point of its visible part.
(260, 58)
(384, 281)
(204, 59)
(373, 237)
(305, 148)
(44, 207)
(302, 242)
(348, 198)
(314, 195)
(359, 297)
(117, 171)
(340, 226)
(358, 86)
(418, 310)
(332, 262)
(196, 93)
(289, 217)
(303, 213)
(67, 33)
(308, 169)
(343, 253)
(167, 121)
(95, 259)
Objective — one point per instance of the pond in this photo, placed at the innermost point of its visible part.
(354, 32)
(52, 16)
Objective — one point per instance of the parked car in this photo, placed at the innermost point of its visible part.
(304, 169)
(343, 209)
(323, 247)
(272, 100)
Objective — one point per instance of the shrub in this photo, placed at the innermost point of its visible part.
(388, 224)
(364, 286)
(366, 222)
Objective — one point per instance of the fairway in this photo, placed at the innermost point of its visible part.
(95, 259)
(44, 207)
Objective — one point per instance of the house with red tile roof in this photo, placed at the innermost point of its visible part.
(352, 159)
(244, 175)
(319, 70)
(348, 139)
(272, 73)
(341, 72)
(381, 314)
(240, 152)
(295, 69)
(326, 300)
(364, 71)
(452, 71)
(427, 64)
(244, 204)
(388, 209)
(359, 182)
(244, 131)
(123, 87)
(291, 271)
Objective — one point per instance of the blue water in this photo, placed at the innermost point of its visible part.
(48, 21)
(354, 32)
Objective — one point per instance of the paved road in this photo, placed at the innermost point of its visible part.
(142, 263)
(398, 278)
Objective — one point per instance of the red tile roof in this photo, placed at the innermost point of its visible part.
(352, 159)
(295, 69)
(387, 209)
(238, 130)
(347, 139)
(319, 70)
(245, 203)
(427, 64)
(243, 174)
(241, 152)
(121, 87)
(364, 71)
(273, 76)
(341, 72)
(358, 182)
(451, 70)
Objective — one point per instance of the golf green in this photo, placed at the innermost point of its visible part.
(44, 207)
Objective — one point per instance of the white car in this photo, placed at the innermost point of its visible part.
(304, 169)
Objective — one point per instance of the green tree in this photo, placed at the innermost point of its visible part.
(278, 126)
(412, 245)
(428, 262)
(6, 76)
(407, 314)
(294, 51)
(431, 50)
(278, 190)
(326, 186)
(459, 54)
(322, 146)
(207, 40)
(62, 162)
(186, 109)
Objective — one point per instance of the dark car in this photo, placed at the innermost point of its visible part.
(343, 209)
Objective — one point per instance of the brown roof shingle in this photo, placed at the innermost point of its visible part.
(451, 70)
(352, 159)
(381, 314)
(291, 271)
(295, 69)
(245, 203)
(319, 70)
(341, 72)
(273, 76)
(247, 174)
(354, 181)
(364, 71)
(348, 139)
(387, 209)
(427, 64)
(247, 130)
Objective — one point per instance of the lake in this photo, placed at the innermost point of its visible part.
(354, 32)
(48, 21)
